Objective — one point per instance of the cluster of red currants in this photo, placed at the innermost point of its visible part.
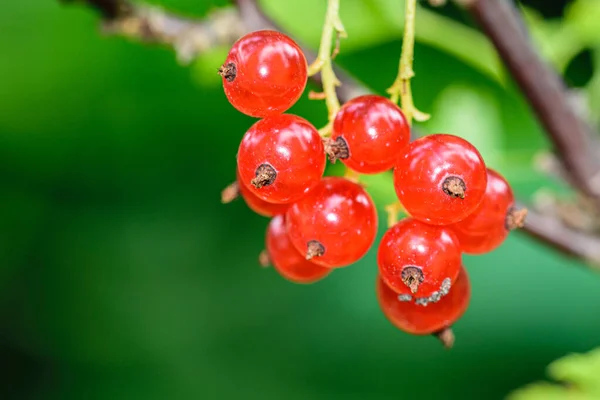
(456, 204)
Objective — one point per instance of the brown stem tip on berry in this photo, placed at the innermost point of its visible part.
(336, 149)
(314, 248)
(454, 186)
(412, 277)
(515, 218)
(263, 259)
(230, 193)
(263, 176)
(446, 336)
(228, 72)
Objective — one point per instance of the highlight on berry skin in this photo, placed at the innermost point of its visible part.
(434, 319)
(265, 73)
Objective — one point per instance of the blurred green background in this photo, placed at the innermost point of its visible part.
(123, 277)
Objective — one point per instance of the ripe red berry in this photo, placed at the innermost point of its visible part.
(258, 205)
(284, 257)
(335, 224)
(264, 74)
(487, 227)
(281, 158)
(440, 179)
(369, 133)
(419, 261)
(418, 320)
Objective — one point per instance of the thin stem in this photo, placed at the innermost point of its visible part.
(323, 62)
(401, 90)
(393, 213)
(352, 175)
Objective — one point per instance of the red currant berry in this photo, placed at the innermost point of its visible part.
(487, 227)
(418, 260)
(258, 205)
(335, 224)
(436, 318)
(440, 179)
(264, 74)
(284, 257)
(281, 158)
(369, 132)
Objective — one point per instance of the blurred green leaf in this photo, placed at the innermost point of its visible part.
(547, 391)
(471, 113)
(582, 17)
(578, 372)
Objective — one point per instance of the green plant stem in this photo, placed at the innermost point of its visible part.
(323, 62)
(401, 90)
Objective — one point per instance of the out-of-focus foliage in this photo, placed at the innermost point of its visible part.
(578, 374)
(383, 20)
(123, 277)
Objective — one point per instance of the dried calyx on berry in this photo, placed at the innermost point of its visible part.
(265, 175)
(286, 259)
(336, 149)
(435, 319)
(281, 158)
(228, 72)
(419, 260)
(446, 170)
(335, 224)
(412, 277)
(314, 248)
(454, 186)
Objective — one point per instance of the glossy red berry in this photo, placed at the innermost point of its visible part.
(369, 132)
(284, 257)
(258, 205)
(418, 320)
(264, 74)
(281, 158)
(440, 179)
(488, 226)
(335, 224)
(419, 261)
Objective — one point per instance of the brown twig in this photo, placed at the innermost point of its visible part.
(574, 142)
(547, 228)
(188, 37)
(551, 230)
